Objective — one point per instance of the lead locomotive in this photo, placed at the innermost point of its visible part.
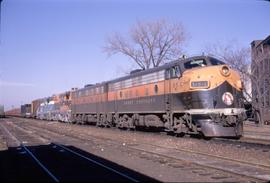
(197, 95)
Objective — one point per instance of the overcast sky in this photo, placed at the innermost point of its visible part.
(50, 46)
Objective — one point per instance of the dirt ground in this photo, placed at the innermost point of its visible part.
(3, 145)
(115, 145)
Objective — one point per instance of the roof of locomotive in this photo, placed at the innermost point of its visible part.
(163, 67)
(143, 72)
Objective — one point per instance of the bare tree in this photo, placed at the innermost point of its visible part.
(149, 44)
(239, 58)
(260, 89)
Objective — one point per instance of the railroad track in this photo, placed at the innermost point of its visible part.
(12, 141)
(243, 141)
(243, 144)
(232, 166)
(64, 163)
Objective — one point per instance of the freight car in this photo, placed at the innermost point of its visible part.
(26, 110)
(14, 112)
(197, 95)
(35, 105)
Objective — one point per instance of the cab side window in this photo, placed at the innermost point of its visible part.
(167, 74)
(175, 71)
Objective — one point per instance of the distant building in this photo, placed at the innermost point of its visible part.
(260, 54)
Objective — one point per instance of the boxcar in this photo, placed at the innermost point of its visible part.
(35, 105)
(26, 110)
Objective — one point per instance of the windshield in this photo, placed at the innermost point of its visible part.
(195, 63)
(216, 62)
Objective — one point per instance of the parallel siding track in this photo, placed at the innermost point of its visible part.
(64, 163)
(231, 166)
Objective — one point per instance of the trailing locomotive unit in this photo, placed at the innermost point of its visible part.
(56, 108)
(198, 95)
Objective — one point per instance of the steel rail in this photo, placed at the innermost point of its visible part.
(96, 162)
(40, 164)
(180, 150)
(160, 146)
(73, 152)
(30, 153)
(183, 150)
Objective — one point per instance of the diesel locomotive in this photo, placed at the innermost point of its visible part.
(56, 108)
(197, 95)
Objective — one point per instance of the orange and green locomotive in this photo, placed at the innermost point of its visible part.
(197, 95)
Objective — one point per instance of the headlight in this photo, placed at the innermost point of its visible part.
(225, 71)
(199, 84)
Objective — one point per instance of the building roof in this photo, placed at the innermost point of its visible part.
(266, 41)
(257, 43)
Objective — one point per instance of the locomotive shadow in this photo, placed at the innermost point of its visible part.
(16, 165)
